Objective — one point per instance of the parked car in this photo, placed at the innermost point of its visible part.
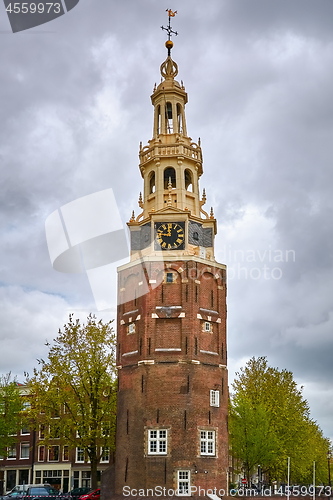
(35, 491)
(16, 491)
(76, 492)
(92, 495)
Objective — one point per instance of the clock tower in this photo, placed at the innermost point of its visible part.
(172, 429)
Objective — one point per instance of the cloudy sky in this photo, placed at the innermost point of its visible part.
(75, 103)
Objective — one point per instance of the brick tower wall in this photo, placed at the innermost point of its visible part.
(168, 364)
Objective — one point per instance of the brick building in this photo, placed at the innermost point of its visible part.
(29, 461)
(173, 388)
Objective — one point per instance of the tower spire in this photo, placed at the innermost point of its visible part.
(169, 30)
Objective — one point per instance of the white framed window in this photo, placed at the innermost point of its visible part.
(183, 483)
(25, 430)
(11, 452)
(105, 428)
(157, 442)
(24, 450)
(79, 457)
(105, 454)
(207, 442)
(65, 453)
(208, 326)
(41, 453)
(54, 453)
(42, 431)
(214, 398)
(26, 405)
(131, 328)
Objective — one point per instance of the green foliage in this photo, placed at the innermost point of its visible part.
(270, 421)
(11, 406)
(252, 439)
(75, 389)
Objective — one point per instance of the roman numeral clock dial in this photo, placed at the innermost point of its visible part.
(169, 235)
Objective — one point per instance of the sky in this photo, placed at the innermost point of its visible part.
(74, 106)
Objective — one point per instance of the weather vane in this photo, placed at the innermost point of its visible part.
(170, 31)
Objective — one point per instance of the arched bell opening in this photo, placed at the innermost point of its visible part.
(152, 184)
(179, 119)
(188, 180)
(158, 120)
(169, 173)
(168, 118)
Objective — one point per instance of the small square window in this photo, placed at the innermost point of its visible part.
(169, 277)
(208, 326)
(25, 430)
(214, 398)
(12, 452)
(131, 328)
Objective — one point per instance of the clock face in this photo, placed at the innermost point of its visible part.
(169, 235)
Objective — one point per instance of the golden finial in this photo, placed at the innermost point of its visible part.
(169, 189)
(140, 200)
(154, 87)
(204, 196)
(132, 219)
(211, 213)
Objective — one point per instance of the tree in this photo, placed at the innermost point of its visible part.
(268, 408)
(11, 406)
(252, 440)
(75, 390)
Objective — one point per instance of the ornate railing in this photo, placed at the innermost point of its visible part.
(192, 151)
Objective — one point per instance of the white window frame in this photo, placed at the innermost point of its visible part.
(26, 405)
(38, 456)
(207, 443)
(42, 432)
(63, 453)
(215, 398)
(158, 439)
(105, 454)
(78, 452)
(49, 452)
(24, 446)
(208, 327)
(131, 328)
(13, 450)
(23, 433)
(183, 480)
